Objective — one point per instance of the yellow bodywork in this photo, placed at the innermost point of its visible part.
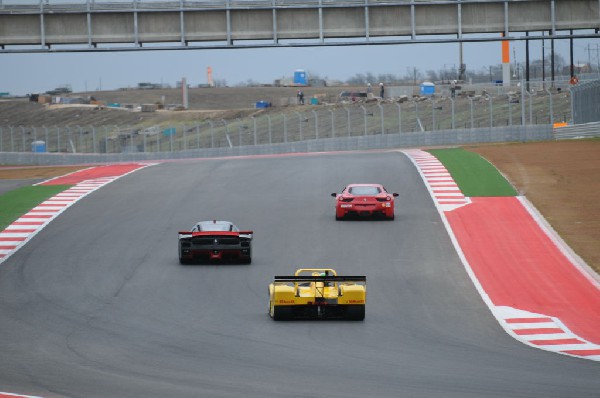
(326, 295)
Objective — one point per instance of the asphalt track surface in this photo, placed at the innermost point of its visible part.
(97, 305)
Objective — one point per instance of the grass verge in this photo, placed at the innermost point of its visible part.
(474, 175)
(14, 204)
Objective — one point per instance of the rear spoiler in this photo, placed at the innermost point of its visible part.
(241, 234)
(310, 278)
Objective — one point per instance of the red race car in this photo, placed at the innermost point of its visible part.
(364, 200)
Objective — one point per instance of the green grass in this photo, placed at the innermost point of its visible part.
(474, 175)
(14, 204)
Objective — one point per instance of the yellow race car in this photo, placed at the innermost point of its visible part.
(317, 293)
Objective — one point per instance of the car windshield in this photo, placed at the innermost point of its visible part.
(215, 226)
(364, 190)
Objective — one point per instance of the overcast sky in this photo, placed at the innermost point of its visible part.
(32, 73)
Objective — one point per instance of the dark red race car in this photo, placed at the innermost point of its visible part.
(215, 241)
(364, 200)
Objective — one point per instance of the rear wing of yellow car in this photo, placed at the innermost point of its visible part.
(319, 278)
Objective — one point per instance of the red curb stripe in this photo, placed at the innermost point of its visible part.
(528, 320)
(557, 342)
(35, 216)
(583, 353)
(21, 239)
(7, 247)
(19, 231)
(28, 223)
(51, 204)
(448, 197)
(523, 332)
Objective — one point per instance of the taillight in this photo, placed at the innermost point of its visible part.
(345, 199)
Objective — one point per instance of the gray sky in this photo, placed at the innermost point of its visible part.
(32, 73)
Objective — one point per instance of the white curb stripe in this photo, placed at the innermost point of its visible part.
(31, 223)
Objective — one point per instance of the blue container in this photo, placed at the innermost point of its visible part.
(170, 131)
(300, 77)
(38, 146)
(262, 104)
(427, 88)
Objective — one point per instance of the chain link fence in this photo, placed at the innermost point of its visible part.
(296, 124)
(586, 102)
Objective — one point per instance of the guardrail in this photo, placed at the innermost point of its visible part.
(587, 130)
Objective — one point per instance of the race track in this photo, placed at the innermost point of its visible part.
(97, 305)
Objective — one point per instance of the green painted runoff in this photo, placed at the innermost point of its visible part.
(474, 175)
(15, 203)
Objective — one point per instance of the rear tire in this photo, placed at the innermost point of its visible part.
(355, 313)
(282, 313)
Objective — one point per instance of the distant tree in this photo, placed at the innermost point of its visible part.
(220, 82)
(432, 76)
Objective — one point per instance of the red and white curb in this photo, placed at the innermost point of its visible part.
(536, 330)
(9, 395)
(28, 225)
(439, 182)
(545, 332)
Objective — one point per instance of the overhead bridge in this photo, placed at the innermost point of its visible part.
(95, 25)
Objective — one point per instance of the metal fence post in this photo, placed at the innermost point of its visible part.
(94, 139)
(316, 124)
(227, 132)
(80, 146)
(491, 102)
(158, 141)
(12, 139)
(365, 118)
(105, 139)
(300, 125)
(1, 131)
(212, 134)
(381, 115)
(509, 112)
(69, 140)
(530, 108)
(348, 119)
(453, 115)
(184, 137)
(22, 138)
(432, 114)
(332, 123)
(270, 133)
(254, 121)
(399, 118)
(197, 135)
(285, 132)
(551, 107)
(471, 104)
(522, 102)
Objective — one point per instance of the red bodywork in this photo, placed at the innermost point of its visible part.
(359, 205)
